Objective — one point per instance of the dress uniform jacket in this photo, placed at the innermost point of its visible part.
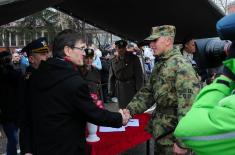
(60, 107)
(173, 86)
(125, 78)
(93, 78)
(25, 135)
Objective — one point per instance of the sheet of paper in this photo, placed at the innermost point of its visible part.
(133, 122)
(110, 129)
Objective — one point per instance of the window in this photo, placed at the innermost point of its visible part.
(6, 39)
(38, 35)
(21, 39)
(13, 39)
(45, 34)
(1, 40)
(28, 38)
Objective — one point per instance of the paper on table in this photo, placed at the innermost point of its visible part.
(133, 122)
(110, 129)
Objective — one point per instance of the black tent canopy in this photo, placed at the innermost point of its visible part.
(129, 19)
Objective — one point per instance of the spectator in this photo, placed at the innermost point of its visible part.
(130, 48)
(90, 73)
(97, 51)
(125, 75)
(24, 62)
(105, 61)
(147, 66)
(16, 61)
(190, 52)
(96, 62)
(188, 49)
(9, 107)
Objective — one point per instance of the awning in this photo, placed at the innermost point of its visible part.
(129, 19)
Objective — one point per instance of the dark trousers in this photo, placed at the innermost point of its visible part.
(167, 150)
(163, 149)
(11, 131)
(105, 92)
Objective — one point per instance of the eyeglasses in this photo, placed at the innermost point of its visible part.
(79, 48)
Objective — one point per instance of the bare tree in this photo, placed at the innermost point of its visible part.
(49, 22)
(223, 4)
(4, 31)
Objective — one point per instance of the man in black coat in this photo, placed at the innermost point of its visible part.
(60, 103)
(105, 61)
(9, 107)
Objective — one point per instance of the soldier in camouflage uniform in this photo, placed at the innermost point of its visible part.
(173, 86)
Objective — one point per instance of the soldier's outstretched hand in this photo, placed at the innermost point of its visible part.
(127, 112)
(125, 116)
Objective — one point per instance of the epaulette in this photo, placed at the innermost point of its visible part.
(27, 75)
(113, 58)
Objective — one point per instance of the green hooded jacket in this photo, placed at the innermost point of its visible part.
(209, 127)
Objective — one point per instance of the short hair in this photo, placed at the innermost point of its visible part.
(146, 58)
(66, 37)
(121, 44)
(170, 38)
(15, 53)
(186, 39)
(105, 53)
(130, 46)
(5, 53)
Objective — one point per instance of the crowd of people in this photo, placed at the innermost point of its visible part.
(47, 93)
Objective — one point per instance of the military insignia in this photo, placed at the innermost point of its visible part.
(89, 51)
(187, 93)
(27, 76)
(44, 43)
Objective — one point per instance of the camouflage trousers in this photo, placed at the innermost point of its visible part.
(166, 150)
(163, 149)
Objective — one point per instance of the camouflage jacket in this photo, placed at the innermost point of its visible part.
(173, 86)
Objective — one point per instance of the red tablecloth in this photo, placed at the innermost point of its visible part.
(116, 142)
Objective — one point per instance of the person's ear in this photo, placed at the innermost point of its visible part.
(67, 50)
(169, 40)
(31, 59)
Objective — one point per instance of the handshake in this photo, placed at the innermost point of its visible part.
(125, 115)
